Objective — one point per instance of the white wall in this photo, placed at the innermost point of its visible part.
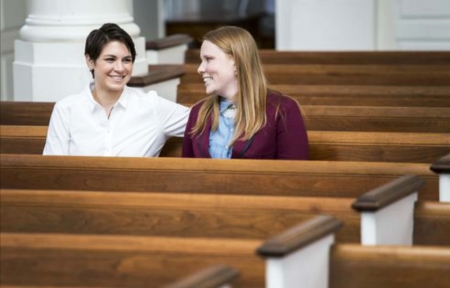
(325, 25)
(363, 24)
(13, 15)
(422, 25)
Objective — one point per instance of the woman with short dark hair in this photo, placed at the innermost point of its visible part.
(109, 118)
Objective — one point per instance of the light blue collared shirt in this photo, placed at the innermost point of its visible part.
(219, 140)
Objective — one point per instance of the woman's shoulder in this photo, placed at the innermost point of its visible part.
(277, 98)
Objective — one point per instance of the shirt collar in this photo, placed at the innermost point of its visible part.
(123, 99)
(224, 104)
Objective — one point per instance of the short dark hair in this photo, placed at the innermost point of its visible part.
(98, 38)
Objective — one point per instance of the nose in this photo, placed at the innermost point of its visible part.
(201, 69)
(119, 66)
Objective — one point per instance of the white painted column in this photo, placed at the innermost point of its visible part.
(49, 58)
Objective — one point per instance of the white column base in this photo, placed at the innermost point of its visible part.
(392, 225)
(306, 268)
(444, 187)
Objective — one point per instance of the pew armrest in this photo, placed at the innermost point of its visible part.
(212, 277)
(168, 50)
(301, 254)
(442, 167)
(387, 212)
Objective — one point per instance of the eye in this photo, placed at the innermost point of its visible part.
(127, 60)
(109, 59)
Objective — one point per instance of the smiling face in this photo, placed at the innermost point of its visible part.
(218, 71)
(113, 68)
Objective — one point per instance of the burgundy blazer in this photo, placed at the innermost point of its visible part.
(283, 137)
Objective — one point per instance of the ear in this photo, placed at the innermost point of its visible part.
(90, 63)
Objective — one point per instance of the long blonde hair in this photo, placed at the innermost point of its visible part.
(252, 84)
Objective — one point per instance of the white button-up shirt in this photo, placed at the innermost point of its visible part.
(139, 124)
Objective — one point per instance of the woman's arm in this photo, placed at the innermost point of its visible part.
(58, 136)
(292, 139)
(188, 149)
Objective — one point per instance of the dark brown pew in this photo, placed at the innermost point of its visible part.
(389, 266)
(362, 146)
(317, 117)
(323, 145)
(215, 276)
(53, 260)
(25, 113)
(345, 95)
(33, 259)
(167, 214)
(270, 56)
(198, 215)
(261, 177)
(404, 75)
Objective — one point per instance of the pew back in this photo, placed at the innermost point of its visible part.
(167, 214)
(323, 145)
(404, 75)
(270, 56)
(259, 177)
(344, 95)
(120, 261)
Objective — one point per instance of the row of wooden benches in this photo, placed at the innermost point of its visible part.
(317, 117)
(323, 145)
(182, 211)
(189, 216)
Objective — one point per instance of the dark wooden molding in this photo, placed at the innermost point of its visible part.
(157, 73)
(168, 42)
(442, 165)
(211, 277)
(384, 195)
(300, 236)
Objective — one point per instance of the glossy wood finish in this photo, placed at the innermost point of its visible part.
(345, 95)
(167, 214)
(271, 56)
(403, 75)
(317, 117)
(355, 266)
(120, 261)
(258, 177)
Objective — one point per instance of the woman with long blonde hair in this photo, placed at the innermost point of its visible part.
(241, 118)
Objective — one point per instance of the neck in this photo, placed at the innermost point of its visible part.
(106, 100)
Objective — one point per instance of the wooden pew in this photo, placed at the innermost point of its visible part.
(215, 276)
(168, 214)
(270, 56)
(229, 216)
(442, 167)
(344, 95)
(135, 261)
(323, 145)
(404, 75)
(317, 117)
(53, 260)
(34, 259)
(260, 177)
(319, 263)
(391, 215)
